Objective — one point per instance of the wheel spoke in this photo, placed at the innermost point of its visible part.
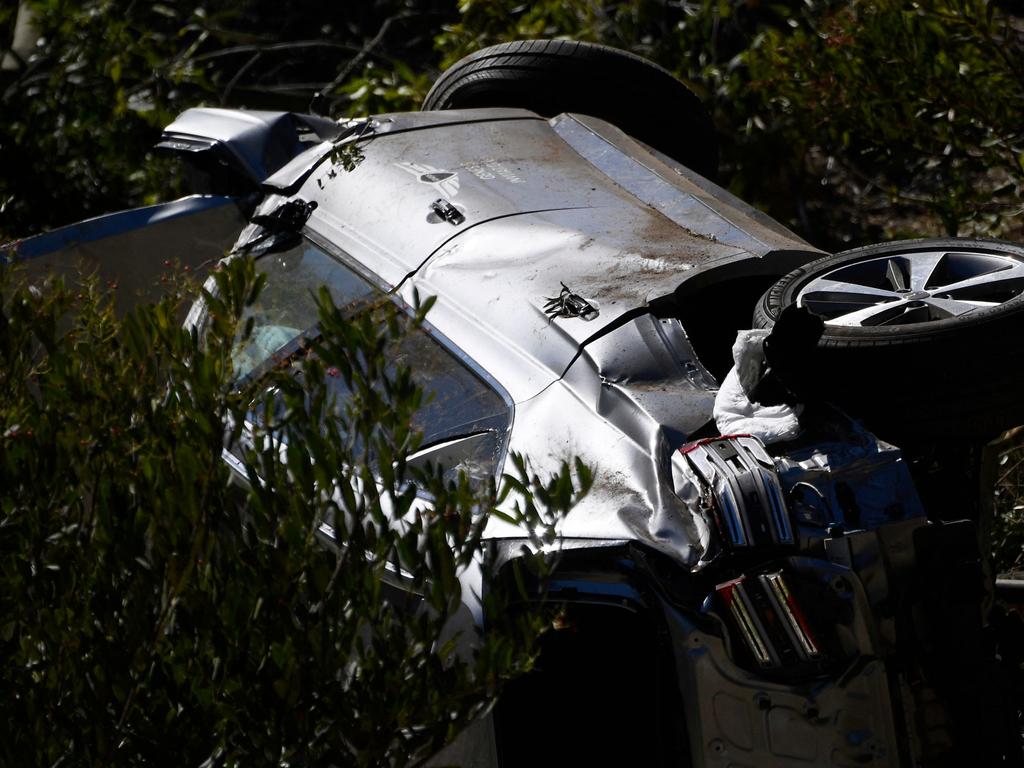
(942, 309)
(824, 287)
(894, 274)
(921, 266)
(978, 302)
(1002, 282)
(876, 314)
(837, 298)
(913, 312)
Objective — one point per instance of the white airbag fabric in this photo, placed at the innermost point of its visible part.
(734, 412)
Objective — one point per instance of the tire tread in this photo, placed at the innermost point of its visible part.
(585, 74)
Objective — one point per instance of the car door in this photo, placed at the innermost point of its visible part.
(135, 252)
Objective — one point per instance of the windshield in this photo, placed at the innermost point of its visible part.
(286, 308)
(457, 400)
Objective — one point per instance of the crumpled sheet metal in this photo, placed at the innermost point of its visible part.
(650, 393)
(632, 497)
(492, 284)
(859, 481)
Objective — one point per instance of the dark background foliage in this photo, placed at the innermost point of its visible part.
(851, 121)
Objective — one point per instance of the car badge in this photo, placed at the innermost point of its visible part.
(445, 182)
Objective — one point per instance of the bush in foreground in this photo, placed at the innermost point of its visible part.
(154, 612)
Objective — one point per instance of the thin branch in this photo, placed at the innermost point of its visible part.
(1003, 477)
(358, 59)
(271, 47)
(238, 76)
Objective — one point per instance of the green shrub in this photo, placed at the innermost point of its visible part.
(1007, 476)
(907, 107)
(83, 111)
(153, 611)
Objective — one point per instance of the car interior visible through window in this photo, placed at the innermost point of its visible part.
(463, 419)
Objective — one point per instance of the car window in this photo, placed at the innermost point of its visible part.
(286, 307)
(458, 402)
(462, 418)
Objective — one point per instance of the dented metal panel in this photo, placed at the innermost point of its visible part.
(516, 165)
(388, 196)
(632, 497)
(615, 258)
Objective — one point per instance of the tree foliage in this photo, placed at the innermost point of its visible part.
(852, 121)
(84, 109)
(909, 107)
(152, 611)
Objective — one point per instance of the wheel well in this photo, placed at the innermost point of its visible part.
(712, 315)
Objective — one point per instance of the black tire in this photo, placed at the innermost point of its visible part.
(553, 76)
(924, 374)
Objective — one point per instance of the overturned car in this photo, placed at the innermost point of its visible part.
(776, 565)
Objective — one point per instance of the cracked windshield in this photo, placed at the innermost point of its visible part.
(457, 401)
(286, 307)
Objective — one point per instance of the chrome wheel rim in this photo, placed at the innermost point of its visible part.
(913, 287)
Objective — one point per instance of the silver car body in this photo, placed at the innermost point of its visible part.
(572, 201)
(496, 212)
